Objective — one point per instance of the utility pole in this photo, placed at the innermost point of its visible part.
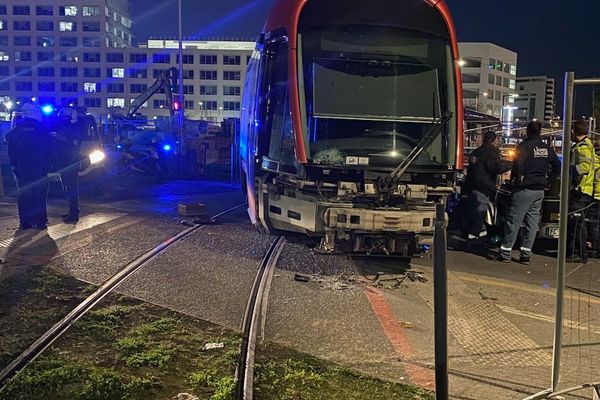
(181, 113)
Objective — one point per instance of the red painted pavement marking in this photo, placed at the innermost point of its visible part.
(417, 374)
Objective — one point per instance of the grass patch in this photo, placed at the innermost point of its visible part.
(283, 374)
(131, 350)
(160, 326)
(62, 379)
(104, 321)
(31, 301)
(135, 351)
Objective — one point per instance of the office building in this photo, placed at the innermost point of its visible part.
(536, 98)
(489, 74)
(106, 79)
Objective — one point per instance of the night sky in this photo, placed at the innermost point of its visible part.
(550, 36)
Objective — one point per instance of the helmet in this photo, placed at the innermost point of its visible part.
(68, 113)
(29, 110)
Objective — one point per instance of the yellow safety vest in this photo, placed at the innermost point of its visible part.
(585, 164)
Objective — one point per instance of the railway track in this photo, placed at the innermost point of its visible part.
(253, 318)
(62, 326)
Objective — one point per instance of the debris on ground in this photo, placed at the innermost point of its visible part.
(341, 282)
(393, 281)
(301, 278)
(212, 346)
(191, 209)
(185, 396)
(203, 220)
(333, 282)
(415, 276)
(484, 297)
(406, 324)
(184, 223)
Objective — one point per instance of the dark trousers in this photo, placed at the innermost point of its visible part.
(524, 215)
(593, 226)
(31, 203)
(478, 207)
(577, 233)
(70, 182)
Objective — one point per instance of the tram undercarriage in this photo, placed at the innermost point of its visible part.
(349, 218)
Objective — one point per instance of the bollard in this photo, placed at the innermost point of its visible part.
(440, 295)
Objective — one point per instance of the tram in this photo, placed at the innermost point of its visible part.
(351, 126)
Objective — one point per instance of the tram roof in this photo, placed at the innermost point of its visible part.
(286, 14)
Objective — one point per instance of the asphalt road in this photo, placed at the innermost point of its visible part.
(362, 313)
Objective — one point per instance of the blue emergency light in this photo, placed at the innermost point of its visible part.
(47, 109)
(167, 147)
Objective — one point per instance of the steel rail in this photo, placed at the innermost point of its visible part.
(244, 374)
(56, 331)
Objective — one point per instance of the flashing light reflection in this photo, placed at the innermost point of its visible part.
(47, 109)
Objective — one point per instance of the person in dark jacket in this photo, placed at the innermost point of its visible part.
(535, 167)
(28, 145)
(485, 164)
(69, 159)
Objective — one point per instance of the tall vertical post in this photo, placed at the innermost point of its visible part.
(181, 112)
(565, 182)
(440, 294)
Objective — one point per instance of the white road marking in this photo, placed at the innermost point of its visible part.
(569, 324)
(61, 230)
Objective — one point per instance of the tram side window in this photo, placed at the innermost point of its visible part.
(279, 124)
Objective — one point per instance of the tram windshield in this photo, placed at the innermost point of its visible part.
(371, 93)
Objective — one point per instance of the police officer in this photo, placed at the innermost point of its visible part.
(485, 164)
(69, 159)
(585, 172)
(28, 145)
(535, 166)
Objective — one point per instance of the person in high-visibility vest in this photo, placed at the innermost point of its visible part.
(585, 186)
(593, 216)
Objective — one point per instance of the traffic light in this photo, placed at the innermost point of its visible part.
(176, 105)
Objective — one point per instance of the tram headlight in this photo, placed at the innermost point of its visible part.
(96, 157)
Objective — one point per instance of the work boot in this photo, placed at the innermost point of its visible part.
(576, 259)
(525, 260)
(71, 219)
(500, 258)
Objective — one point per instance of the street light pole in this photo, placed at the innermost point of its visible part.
(181, 113)
(509, 123)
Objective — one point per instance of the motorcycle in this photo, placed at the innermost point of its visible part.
(147, 159)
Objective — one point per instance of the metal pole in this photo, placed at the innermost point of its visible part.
(564, 214)
(440, 294)
(181, 113)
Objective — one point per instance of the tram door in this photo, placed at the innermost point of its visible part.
(273, 98)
